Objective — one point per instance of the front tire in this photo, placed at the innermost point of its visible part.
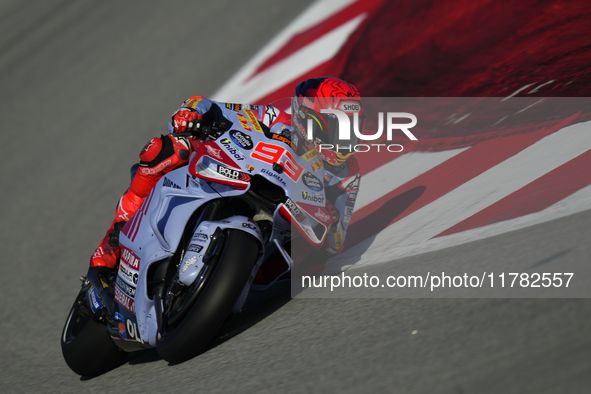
(86, 345)
(218, 293)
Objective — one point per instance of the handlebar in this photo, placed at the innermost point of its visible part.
(213, 130)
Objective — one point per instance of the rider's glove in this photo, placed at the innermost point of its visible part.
(186, 119)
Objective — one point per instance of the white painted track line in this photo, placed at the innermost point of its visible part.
(237, 89)
(577, 202)
(298, 63)
(419, 227)
(396, 173)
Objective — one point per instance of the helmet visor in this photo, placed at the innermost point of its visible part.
(325, 127)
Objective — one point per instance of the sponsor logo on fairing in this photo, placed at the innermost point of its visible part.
(351, 199)
(313, 197)
(234, 107)
(227, 144)
(317, 164)
(195, 248)
(241, 139)
(233, 174)
(128, 328)
(189, 262)
(282, 139)
(294, 209)
(121, 320)
(168, 183)
(95, 302)
(133, 332)
(124, 300)
(312, 182)
(127, 289)
(311, 154)
(250, 226)
(130, 258)
(200, 237)
(253, 120)
(243, 122)
(273, 175)
(322, 216)
(128, 275)
(213, 151)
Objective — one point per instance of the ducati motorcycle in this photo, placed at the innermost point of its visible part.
(190, 253)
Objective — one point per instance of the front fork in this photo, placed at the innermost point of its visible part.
(208, 243)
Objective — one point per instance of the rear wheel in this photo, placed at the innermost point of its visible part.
(86, 345)
(194, 315)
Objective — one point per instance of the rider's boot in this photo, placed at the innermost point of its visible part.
(159, 156)
(106, 256)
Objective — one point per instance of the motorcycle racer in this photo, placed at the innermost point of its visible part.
(341, 178)
(169, 152)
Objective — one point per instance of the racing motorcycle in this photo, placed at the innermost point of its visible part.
(190, 253)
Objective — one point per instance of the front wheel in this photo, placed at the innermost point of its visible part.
(216, 295)
(86, 345)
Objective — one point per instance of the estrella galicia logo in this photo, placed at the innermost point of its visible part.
(312, 182)
(241, 139)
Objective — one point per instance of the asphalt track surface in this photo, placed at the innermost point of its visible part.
(84, 85)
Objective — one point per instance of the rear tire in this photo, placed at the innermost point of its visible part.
(86, 345)
(218, 293)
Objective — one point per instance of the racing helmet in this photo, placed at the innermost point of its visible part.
(315, 94)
